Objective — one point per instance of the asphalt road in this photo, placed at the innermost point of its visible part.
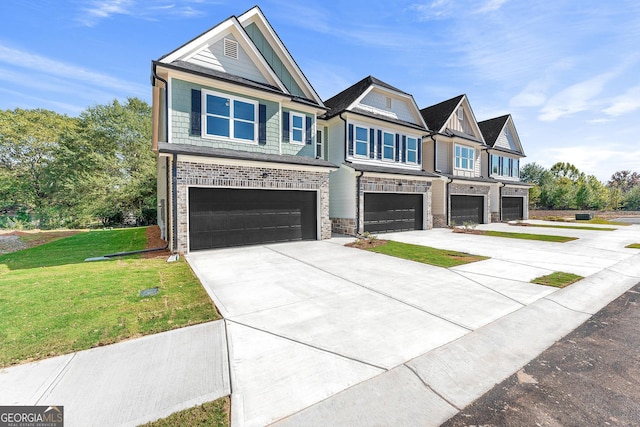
(589, 378)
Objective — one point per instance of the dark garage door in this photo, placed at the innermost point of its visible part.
(221, 217)
(512, 208)
(392, 212)
(467, 209)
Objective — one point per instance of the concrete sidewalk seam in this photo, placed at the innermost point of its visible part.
(56, 380)
(308, 345)
(460, 273)
(217, 302)
(431, 388)
(375, 290)
(226, 339)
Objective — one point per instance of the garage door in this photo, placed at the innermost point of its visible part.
(392, 212)
(467, 209)
(512, 208)
(221, 217)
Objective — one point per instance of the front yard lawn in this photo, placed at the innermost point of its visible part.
(425, 254)
(633, 246)
(570, 227)
(52, 302)
(209, 414)
(557, 279)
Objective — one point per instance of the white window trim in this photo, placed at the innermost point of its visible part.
(355, 141)
(319, 142)
(473, 157)
(231, 136)
(393, 147)
(406, 154)
(304, 128)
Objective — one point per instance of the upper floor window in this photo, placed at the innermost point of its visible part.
(505, 166)
(495, 164)
(412, 150)
(388, 146)
(464, 157)
(297, 128)
(362, 141)
(506, 162)
(229, 117)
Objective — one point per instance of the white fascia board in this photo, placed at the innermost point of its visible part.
(255, 15)
(219, 84)
(473, 116)
(514, 132)
(371, 121)
(230, 26)
(398, 176)
(252, 163)
(298, 106)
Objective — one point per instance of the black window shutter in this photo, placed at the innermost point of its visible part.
(196, 112)
(397, 147)
(350, 139)
(262, 124)
(419, 151)
(308, 126)
(403, 151)
(379, 155)
(285, 126)
(372, 143)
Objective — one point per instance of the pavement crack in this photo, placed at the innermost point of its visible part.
(375, 291)
(308, 345)
(431, 388)
(568, 308)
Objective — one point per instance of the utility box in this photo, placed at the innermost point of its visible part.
(584, 216)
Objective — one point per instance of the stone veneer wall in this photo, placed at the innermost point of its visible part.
(343, 226)
(394, 185)
(440, 221)
(224, 176)
(457, 189)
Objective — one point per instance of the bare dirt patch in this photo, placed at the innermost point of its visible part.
(155, 241)
(13, 241)
(366, 243)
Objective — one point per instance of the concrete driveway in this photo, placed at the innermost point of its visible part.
(318, 332)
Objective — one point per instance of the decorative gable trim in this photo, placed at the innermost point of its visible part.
(230, 26)
(255, 15)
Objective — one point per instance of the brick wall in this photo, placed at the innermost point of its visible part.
(192, 174)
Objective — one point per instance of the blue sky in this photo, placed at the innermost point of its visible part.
(568, 71)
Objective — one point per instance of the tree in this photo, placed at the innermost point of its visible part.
(29, 140)
(534, 173)
(624, 180)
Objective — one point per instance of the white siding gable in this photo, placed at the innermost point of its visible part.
(507, 139)
(213, 57)
(378, 103)
(466, 125)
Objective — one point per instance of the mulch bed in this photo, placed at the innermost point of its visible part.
(155, 241)
(367, 243)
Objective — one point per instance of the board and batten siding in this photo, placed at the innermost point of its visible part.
(378, 101)
(181, 122)
(273, 60)
(461, 126)
(213, 57)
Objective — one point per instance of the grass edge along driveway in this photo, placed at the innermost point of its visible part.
(424, 254)
(54, 303)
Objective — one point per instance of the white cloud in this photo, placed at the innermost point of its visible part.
(104, 9)
(148, 10)
(437, 9)
(491, 5)
(575, 98)
(46, 66)
(625, 103)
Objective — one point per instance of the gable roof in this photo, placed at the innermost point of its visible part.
(236, 26)
(437, 115)
(346, 99)
(492, 128)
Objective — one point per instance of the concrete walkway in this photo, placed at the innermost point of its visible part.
(128, 383)
(318, 333)
(322, 333)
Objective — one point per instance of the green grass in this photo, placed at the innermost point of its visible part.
(528, 236)
(603, 221)
(425, 254)
(557, 279)
(210, 414)
(52, 302)
(570, 227)
(633, 246)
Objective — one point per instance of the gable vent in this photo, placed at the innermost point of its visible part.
(231, 48)
(460, 113)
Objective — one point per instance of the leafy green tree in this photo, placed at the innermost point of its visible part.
(29, 140)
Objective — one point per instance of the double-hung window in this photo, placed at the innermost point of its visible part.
(412, 150)
(495, 164)
(362, 141)
(388, 146)
(505, 166)
(464, 157)
(229, 117)
(297, 128)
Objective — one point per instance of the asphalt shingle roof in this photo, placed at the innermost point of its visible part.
(491, 128)
(437, 115)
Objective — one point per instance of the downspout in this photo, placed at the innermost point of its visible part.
(358, 204)
(447, 196)
(346, 136)
(502, 185)
(174, 201)
(435, 152)
(155, 77)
